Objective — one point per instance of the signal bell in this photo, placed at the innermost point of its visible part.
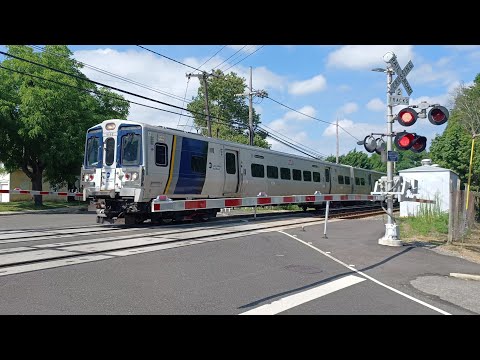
(371, 144)
(407, 117)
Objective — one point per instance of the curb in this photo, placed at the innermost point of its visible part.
(466, 276)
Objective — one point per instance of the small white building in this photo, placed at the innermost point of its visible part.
(4, 184)
(434, 183)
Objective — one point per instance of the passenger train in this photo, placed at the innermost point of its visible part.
(127, 164)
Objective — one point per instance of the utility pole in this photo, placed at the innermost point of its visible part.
(250, 112)
(337, 140)
(391, 232)
(203, 76)
(250, 94)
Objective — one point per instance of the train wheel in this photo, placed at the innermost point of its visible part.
(100, 219)
(304, 208)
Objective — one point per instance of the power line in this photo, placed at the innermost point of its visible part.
(136, 103)
(211, 57)
(235, 56)
(98, 83)
(169, 58)
(312, 117)
(124, 91)
(176, 97)
(244, 58)
(270, 130)
(224, 61)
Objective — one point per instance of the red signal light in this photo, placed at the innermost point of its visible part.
(407, 117)
(419, 144)
(412, 141)
(404, 140)
(438, 115)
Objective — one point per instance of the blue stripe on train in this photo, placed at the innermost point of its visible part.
(193, 167)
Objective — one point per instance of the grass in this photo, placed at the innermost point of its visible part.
(30, 205)
(429, 222)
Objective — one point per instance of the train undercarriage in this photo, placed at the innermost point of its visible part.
(131, 213)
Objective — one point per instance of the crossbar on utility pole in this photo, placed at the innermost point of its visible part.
(203, 78)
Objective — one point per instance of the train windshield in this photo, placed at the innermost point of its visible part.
(130, 140)
(93, 153)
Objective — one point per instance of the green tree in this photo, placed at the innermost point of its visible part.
(225, 104)
(451, 150)
(42, 123)
(408, 159)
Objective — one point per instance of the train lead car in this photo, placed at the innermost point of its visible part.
(127, 164)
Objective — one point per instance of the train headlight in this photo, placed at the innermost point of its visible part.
(134, 176)
(127, 176)
(86, 177)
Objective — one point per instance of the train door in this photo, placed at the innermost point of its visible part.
(231, 172)
(328, 180)
(109, 166)
(370, 185)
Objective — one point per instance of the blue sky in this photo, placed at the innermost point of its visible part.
(327, 82)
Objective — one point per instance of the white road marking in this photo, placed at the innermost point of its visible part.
(370, 278)
(291, 301)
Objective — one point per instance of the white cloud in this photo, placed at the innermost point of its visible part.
(315, 84)
(367, 56)
(163, 75)
(307, 110)
(148, 69)
(376, 105)
(349, 108)
(262, 78)
(426, 73)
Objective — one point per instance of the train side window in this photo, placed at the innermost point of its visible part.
(307, 176)
(297, 175)
(231, 165)
(347, 180)
(316, 176)
(357, 181)
(340, 179)
(199, 164)
(327, 175)
(272, 172)
(285, 173)
(362, 181)
(258, 170)
(161, 154)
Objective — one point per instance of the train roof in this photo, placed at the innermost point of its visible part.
(225, 142)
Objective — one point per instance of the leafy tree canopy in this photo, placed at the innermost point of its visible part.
(43, 123)
(227, 109)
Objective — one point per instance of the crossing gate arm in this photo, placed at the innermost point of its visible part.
(163, 203)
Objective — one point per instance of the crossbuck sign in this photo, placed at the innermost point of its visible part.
(402, 75)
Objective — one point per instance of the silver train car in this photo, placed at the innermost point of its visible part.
(127, 164)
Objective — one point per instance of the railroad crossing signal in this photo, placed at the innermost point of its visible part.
(391, 58)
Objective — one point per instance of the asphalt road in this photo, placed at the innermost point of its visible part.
(292, 271)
